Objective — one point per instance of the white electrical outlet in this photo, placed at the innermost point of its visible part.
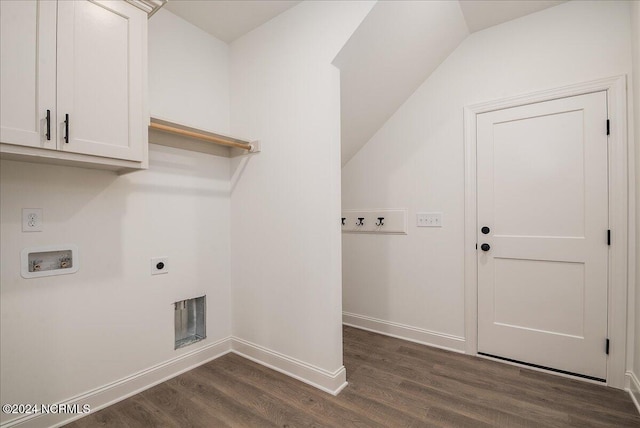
(32, 219)
(159, 265)
(429, 219)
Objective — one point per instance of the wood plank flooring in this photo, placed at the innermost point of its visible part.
(392, 383)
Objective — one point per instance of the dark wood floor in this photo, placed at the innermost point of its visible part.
(392, 383)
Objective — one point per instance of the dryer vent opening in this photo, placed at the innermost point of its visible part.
(190, 321)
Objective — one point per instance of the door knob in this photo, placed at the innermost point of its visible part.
(485, 230)
(485, 247)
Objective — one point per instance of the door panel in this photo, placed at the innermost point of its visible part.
(522, 287)
(27, 72)
(99, 58)
(534, 165)
(542, 190)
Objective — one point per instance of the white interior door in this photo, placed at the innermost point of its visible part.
(28, 73)
(100, 60)
(543, 195)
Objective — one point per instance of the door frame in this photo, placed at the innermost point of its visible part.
(621, 208)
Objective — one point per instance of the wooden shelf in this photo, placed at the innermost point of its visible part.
(166, 133)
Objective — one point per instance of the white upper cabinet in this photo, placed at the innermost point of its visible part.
(99, 78)
(84, 62)
(28, 73)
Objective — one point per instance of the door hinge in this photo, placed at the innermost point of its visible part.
(608, 236)
(606, 347)
(608, 127)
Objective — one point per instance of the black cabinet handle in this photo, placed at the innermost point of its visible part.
(485, 247)
(66, 128)
(485, 230)
(48, 124)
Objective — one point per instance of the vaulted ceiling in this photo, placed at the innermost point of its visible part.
(397, 46)
(227, 20)
(487, 13)
(392, 52)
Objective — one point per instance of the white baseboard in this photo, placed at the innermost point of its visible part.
(405, 332)
(126, 387)
(331, 382)
(99, 398)
(634, 389)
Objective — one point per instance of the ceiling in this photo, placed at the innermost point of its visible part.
(397, 46)
(395, 49)
(391, 53)
(228, 20)
(487, 13)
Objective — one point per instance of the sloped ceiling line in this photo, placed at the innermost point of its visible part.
(394, 50)
(397, 47)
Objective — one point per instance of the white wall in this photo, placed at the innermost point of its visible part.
(416, 160)
(286, 277)
(188, 74)
(66, 335)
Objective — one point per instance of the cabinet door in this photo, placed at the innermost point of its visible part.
(101, 78)
(28, 72)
